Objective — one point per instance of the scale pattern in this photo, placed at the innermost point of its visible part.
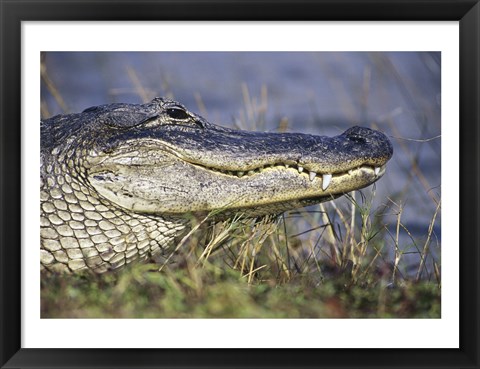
(81, 231)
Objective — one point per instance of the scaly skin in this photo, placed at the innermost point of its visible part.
(119, 182)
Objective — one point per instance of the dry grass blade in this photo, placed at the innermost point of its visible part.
(139, 88)
(226, 231)
(52, 88)
(426, 247)
(183, 241)
(397, 253)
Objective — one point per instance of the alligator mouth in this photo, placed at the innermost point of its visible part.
(136, 158)
(151, 175)
(326, 177)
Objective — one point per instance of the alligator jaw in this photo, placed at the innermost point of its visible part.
(378, 171)
(161, 182)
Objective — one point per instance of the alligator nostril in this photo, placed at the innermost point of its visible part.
(358, 132)
(363, 135)
(370, 137)
(357, 139)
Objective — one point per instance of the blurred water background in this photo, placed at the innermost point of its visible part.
(312, 92)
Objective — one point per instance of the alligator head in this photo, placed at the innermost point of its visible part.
(161, 160)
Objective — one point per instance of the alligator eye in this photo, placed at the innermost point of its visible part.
(176, 113)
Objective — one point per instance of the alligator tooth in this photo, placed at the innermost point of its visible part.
(350, 171)
(240, 174)
(300, 169)
(250, 172)
(312, 175)
(286, 166)
(377, 170)
(326, 181)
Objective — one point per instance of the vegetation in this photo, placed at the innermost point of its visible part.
(247, 268)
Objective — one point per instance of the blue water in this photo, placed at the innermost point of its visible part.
(320, 93)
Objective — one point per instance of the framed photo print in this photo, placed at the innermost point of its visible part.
(239, 184)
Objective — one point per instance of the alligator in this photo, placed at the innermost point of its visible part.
(120, 182)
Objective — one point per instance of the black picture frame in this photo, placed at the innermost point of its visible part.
(467, 12)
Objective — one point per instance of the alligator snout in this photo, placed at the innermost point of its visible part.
(367, 136)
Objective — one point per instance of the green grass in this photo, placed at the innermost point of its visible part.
(141, 292)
